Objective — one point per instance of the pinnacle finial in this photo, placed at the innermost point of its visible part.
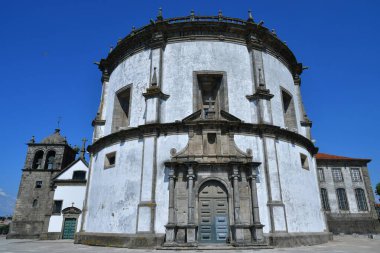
(192, 14)
(111, 49)
(250, 18)
(274, 32)
(154, 78)
(83, 149)
(159, 15)
(220, 14)
(32, 140)
(133, 30)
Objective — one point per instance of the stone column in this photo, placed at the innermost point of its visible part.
(238, 230)
(257, 231)
(191, 227)
(170, 227)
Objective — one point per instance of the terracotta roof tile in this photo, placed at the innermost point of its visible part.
(324, 156)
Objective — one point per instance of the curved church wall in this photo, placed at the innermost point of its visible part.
(176, 137)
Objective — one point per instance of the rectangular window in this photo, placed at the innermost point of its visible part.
(57, 206)
(110, 160)
(38, 184)
(361, 199)
(355, 175)
(121, 109)
(79, 175)
(289, 111)
(337, 175)
(342, 199)
(304, 162)
(321, 175)
(325, 200)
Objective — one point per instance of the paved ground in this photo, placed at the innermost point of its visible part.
(340, 244)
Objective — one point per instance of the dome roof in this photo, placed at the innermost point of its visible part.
(55, 138)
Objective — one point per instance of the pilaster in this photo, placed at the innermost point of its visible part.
(261, 96)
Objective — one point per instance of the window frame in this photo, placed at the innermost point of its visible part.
(304, 161)
(54, 205)
(289, 112)
(321, 178)
(359, 173)
(118, 112)
(342, 206)
(363, 200)
(79, 179)
(340, 173)
(325, 199)
(107, 162)
(38, 184)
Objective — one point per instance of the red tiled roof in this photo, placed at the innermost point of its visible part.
(323, 156)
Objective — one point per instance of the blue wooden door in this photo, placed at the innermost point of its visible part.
(69, 226)
(213, 213)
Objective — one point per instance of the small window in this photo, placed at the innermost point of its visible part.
(57, 206)
(110, 160)
(79, 175)
(304, 162)
(35, 203)
(38, 184)
(325, 200)
(321, 175)
(361, 199)
(342, 199)
(355, 175)
(337, 175)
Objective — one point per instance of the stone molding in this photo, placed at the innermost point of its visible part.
(190, 28)
(185, 127)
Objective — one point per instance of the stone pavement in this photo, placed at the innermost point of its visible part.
(340, 244)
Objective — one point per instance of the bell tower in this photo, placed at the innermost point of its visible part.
(43, 161)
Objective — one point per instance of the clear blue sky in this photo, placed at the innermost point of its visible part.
(47, 50)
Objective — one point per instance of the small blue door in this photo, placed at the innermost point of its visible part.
(69, 226)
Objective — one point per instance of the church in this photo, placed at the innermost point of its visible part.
(201, 138)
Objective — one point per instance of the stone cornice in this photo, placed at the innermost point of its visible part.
(260, 94)
(184, 128)
(218, 28)
(155, 92)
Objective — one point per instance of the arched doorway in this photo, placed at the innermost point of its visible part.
(213, 213)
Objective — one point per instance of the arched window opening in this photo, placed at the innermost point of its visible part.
(37, 161)
(361, 199)
(50, 160)
(289, 111)
(342, 199)
(35, 203)
(325, 200)
(79, 175)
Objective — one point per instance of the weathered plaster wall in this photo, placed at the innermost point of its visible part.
(300, 190)
(114, 193)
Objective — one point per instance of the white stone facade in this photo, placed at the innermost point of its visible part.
(132, 196)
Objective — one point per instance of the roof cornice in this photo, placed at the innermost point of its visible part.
(190, 28)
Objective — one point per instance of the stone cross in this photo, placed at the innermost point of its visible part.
(210, 102)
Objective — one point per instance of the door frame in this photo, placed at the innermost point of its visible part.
(70, 212)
